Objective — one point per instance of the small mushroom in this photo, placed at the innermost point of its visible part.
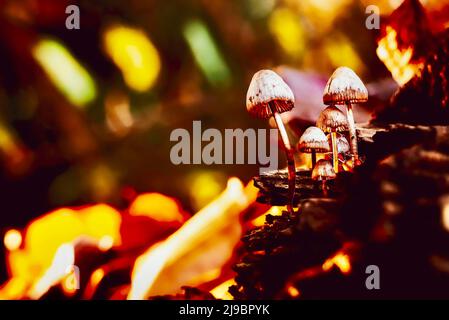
(269, 96)
(342, 143)
(323, 171)
(333, 120)
(345, 87)
(313, 141)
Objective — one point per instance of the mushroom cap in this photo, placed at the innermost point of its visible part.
(268, 87)
(323, 170)
(332, 119)
(344, 86)
(313, 139)
(342, 143)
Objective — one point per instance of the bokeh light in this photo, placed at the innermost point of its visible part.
(134, 54)
(206, 53)
(12, 239)
(66, 73)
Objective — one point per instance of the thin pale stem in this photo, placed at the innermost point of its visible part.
(290, 158)
(313, 159)
(324, 187)
(352, 134)
(334, 151)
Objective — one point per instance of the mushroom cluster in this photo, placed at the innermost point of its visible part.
(269, 96)
(344, 87)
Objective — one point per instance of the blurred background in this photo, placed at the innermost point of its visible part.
(86, 115)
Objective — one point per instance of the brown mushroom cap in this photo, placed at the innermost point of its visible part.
(323, 170)
(344, 86)
(267, 86)
(332, 119)
(342, 143)
(313, 139)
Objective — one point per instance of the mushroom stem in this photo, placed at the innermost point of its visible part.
(313, 158)
(352, 134)
(290, 158)
(334, 151)
(324, 187)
